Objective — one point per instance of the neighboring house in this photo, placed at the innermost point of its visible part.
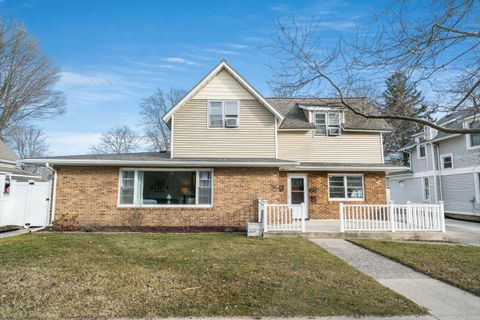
(443, 167)
(230, 146)
(8, 167)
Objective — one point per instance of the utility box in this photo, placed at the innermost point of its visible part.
(254, 229)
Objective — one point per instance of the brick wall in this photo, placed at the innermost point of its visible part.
(87, 196)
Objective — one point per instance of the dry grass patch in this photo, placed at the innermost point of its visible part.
(55, 275)
(458, 265)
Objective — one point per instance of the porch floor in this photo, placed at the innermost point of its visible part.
(324, 225)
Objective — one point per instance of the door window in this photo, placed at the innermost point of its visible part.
(297, 190)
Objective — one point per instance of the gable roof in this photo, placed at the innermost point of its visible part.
(453, 120)
(295, 118)
(6, 153)
(223, 65)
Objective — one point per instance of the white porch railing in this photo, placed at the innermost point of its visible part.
(392, 217)
(281, 217)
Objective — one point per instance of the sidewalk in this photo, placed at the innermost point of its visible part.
(13, 233)
(442, 300)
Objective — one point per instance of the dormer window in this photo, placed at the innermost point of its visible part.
(327, 124)
(223, 114)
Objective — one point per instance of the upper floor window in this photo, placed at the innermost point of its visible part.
(223, 114)
(422, 152)
(473, 139)
(447, 161)
(327, 123)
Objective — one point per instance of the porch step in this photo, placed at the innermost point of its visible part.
(419, 236)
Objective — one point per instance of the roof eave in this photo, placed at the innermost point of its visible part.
(346, 168)
(156, 163)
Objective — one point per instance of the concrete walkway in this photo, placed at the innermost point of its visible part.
(13, 233)
(442, 300)
(466, 232)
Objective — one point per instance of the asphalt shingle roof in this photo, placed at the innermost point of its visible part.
(6, 153)
(295, 117)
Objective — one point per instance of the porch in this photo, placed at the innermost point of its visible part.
(389, 221)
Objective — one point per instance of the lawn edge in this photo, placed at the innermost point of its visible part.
(411, 266)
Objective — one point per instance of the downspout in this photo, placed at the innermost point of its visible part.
(54, 193)
(434, 167)
(440, 186)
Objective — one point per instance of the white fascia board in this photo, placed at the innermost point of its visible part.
(165, 163)
(344, 168)
(222, 65)
(366, 130)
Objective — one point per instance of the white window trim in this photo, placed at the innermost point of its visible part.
(327, 125)
(345, 186)
(223, 113)
(424, 188)
(418, 151)
(443, 156)
(135, 195)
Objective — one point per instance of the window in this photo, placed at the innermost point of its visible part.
(327, 124)
(474, 139)
(345, 187)
(426, 188)
(223, 114)
(181, 187)
(447, 161)
(127, 187)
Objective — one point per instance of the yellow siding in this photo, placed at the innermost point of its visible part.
(254, 138)
(347, 148)
(223, 86)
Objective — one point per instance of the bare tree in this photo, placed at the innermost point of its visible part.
(28, 142)
(119, 139)
(152, 109)
(27, 80)
(438, 52)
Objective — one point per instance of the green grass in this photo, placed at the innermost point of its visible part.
(55, 275)
(455, 264)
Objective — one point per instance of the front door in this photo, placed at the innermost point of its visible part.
(297, 191)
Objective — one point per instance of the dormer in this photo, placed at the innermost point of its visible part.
(328, 120)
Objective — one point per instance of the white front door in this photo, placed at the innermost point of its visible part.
(298, 191)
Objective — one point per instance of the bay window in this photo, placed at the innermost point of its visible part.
(166, 187)
(345, 187)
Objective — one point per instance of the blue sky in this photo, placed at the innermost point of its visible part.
(112, 54)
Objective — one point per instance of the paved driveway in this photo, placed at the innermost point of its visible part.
(463, 231)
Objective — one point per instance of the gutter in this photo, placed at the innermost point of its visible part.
(166, 163)
(343, 168)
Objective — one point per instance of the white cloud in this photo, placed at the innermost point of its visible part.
(237, 45)
(69, 143)
(179, 61)
(221, 51)
(337, 25)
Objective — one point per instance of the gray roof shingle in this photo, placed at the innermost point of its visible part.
(295, 117)
(6, 153)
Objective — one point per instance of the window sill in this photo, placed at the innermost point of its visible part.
(340, 199)
(165, 206)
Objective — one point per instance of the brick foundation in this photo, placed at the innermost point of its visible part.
(87, 198)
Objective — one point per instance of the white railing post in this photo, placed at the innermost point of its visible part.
(442, 215)
(342, 218)
(264, 218)
(304, 213)
(260, 210)
(391, 213)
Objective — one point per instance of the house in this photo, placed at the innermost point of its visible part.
(230, 146)
(443, 167)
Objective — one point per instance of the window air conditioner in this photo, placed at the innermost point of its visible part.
(335, 131)
(231, 122)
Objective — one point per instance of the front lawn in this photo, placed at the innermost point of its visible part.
(456, 264)
(55, 275)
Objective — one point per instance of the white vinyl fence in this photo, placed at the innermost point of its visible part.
(27, 204)
(392, 217)
(281, 217)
